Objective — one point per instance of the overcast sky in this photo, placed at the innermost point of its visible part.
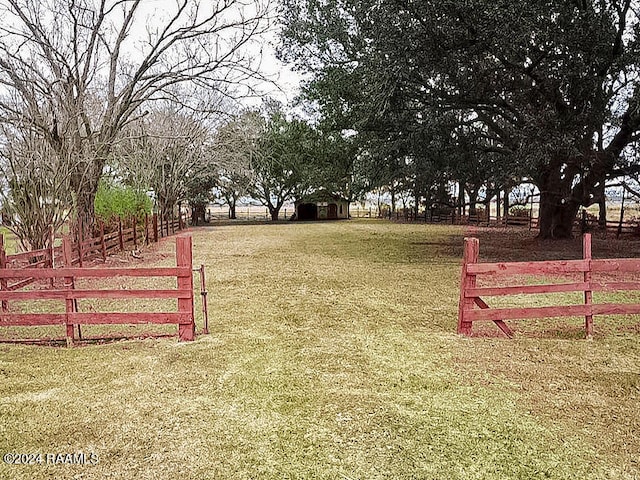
(287, 81)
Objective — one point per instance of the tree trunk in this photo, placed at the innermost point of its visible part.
(487, 207)
(166, 208)
(84, 183)
(505, 202)
(85, 199)
(602, 213)
(473, 198)
(556, 216)
(232, 210)
(274, 210)
(560, 199)
(392, 191)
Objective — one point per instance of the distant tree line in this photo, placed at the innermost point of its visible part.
(411, 99)
(105, 104)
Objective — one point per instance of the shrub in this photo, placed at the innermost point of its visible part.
(118, 201)
(519, 211)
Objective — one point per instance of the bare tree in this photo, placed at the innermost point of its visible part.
(231, 186)
(76, 72)
(236, 143)
(167, 152)
(35, 190)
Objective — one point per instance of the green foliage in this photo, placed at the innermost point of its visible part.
(546, 90)
(291, 158)
(116, 201)
(275, 159)
(279, 161)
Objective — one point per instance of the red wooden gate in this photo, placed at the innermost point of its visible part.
(183, 316)
(471, 295)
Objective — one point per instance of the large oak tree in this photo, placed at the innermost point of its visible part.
(551, 85)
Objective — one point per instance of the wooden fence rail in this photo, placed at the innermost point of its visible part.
(183, 317)
(471, 295)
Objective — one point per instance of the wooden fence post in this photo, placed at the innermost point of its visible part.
(51, 252)
(68, 284)
(135, 233)
(186, 331)
(103, 246)
(120, 239)
(588, 293)
(471, 249)
(3, 265)
(146, 229)
(155, 227)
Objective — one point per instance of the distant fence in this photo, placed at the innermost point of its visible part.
(471, 295)
(435, 216)
(581, 224)
(183, 317)
(249, 214)
(364, 212)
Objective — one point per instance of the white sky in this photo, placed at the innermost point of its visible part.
(285, 83)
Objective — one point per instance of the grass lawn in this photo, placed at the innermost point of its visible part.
(332, 355)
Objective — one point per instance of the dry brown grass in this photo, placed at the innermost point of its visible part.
(332, 355)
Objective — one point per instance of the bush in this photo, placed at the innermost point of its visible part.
(116, 201)
(519, 211)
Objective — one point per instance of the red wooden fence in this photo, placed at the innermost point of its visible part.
(471, 295)
(183, 317)
(93, 248)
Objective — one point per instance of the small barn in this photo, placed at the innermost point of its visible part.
(322, 206)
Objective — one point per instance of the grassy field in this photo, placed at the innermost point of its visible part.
(332, 355)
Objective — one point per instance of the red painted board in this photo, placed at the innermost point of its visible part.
(530, 268)
(77, 294)
(526, 289)
(531, 312)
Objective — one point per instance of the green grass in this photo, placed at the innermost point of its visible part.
(10, 241)
(332, 355)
